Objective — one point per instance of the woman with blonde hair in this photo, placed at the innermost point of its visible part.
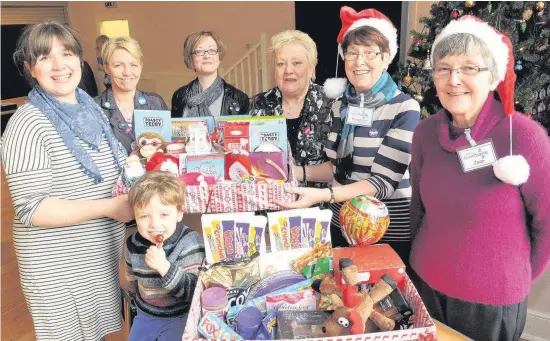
(123, 61)
(208, 94)
(302, 102)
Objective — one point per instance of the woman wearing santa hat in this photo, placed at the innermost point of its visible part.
(479, 212)
(369, 145)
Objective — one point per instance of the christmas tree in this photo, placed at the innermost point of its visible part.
(528, 26)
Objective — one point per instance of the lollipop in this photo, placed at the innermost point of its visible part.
(364, 220)
(159, 238)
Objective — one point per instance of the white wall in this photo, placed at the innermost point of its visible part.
(161, 28)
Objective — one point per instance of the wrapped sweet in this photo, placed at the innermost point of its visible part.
(364, 220)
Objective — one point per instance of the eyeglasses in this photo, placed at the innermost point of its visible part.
(469, 71)
(368, 55)
(202, 52)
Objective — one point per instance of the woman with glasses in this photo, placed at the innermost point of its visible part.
(208, 94)
(480, 220)
(123, 61)
(308, 111)
(369, 145)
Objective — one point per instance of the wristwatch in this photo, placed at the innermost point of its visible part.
(331, 201)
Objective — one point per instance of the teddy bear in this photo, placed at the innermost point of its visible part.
(352, 303)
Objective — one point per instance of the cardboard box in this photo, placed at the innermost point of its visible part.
(372, 262)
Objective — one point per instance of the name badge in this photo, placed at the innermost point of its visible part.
(477, 157)
(360, 116)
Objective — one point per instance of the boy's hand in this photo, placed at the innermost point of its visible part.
(155, 258)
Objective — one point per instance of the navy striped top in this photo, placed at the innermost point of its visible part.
(381, 156)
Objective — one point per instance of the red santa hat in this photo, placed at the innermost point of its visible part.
(511, 169)
(351, 20)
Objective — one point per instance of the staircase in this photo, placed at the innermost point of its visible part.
(251, 73)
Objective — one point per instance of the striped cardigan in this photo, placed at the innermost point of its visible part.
(381, 156)
(171, 295)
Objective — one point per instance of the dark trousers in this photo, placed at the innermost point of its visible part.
(403, 249)
(478, 321)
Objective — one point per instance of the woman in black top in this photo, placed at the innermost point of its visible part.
(208, 94)
(307, 109)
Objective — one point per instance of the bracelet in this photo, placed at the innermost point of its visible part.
(331, 201)
(304, 169)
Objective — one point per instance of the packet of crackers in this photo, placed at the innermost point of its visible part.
(316, 263)
(301, 228)
(230, 236)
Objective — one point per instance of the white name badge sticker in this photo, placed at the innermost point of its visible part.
(477, 157)
(359, 116)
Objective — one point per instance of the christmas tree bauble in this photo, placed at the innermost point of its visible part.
(454, 14)
(419, 98)
(407, 80)
(469, 4)
(364, 220)
(540, 5)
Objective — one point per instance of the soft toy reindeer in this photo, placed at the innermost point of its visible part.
(353, 306)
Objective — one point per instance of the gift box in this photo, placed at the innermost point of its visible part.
(271, 165)
(423, 326)
(225, 197)
(372, 262)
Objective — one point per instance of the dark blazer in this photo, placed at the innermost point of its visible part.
(235, 102)
(142, 100)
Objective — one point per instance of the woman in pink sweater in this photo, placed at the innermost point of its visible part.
(480, 217)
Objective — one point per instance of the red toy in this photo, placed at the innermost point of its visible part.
(163, 162)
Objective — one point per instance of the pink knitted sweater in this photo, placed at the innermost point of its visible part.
(474, 237)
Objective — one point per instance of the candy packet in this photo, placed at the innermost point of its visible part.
(229, 236)
(302, 300)
(300, 228)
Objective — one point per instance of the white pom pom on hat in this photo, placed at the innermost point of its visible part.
(351, 20)
(335, 87)
(511, 169)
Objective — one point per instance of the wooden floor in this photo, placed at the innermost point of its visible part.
(16, 321)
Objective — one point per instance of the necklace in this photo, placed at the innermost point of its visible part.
(127, 113)
(290, 112)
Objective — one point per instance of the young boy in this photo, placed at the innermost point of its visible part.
(162, 259)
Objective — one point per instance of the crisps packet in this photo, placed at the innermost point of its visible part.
(236, 276)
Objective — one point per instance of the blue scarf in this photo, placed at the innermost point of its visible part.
(84, 120)
(381, 93)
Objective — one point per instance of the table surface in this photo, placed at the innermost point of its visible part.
(444, 333)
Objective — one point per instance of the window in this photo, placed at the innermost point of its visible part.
(114, 28)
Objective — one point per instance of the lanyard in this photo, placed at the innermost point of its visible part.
(468, 134)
